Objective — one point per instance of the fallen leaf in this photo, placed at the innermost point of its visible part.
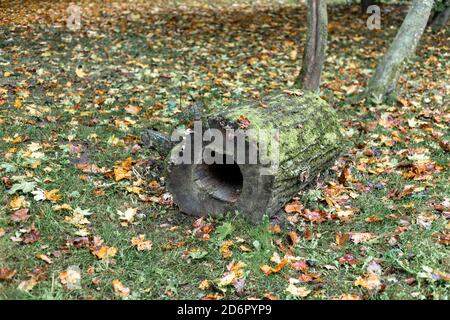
(119, 289)
(300, 292)
(20, 215)
(28, 285)
(7, 274)
(225, 249)
(33, 235)
(358, 237)
(370, 281)
(294, 207)
(141, 243)
(44, 258)
(71, 277)
(52, 195)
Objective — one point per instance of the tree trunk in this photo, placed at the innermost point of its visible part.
(384, 82)
(316, 43)
(304, 141)
(440, 20)
(365, 4)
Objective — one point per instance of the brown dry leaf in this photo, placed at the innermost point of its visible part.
(347, 296)
(121, 173)
(2, 232)
(244, 123)
(31, 236)
(7, 274)
(119, 289)
(44, 258)
(105, 252)
(294, 207)
(293, 236)
(275, 228)
(20, 215)
(373, 219)
(204, 285)
(235, 272)
(358, 237)
(101, 251)
(267, 270)
(133, 109)
(370, 281)
(225, 249)
(28, 285)
(71, 278)
(342, 239)
(300, 292)
(141, 243)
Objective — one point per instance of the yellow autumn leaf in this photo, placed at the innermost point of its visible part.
(63, 206)
(225, 249)
(80, 72)
(141, 243)
(18, 103)
(370, 281)
(105, 252)
(17, 202)
(52, 195)
(300, 292)
(119, 289)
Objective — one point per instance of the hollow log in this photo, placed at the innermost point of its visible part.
(295, 137)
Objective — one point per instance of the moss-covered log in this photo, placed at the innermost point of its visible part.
(303, 140)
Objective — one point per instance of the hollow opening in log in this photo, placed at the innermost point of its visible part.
(222, 181)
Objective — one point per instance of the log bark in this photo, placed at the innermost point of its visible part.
(316, 43)
(305, 130)
(384, 82)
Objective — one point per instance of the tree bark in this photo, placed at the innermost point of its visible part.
(316, 43)
(384, 82)
(440, 19)
(309, 141)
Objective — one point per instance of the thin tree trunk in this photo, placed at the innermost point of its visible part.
(365, 4)
(316, 42)
(440, 20)
(384, 82)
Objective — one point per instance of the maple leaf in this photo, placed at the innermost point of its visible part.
(28, 285)
(358, 237)
(71, 277)
(300, 292)
(119, 289)
(31, 236)
(17, 202)
(20, 215)
(244, 122)
(52, 195)
(127, 217)
(293, 207)
(225, 249)
(204, 285)
(7, 274)
(267, 270)
(370, 281)
(141, 243)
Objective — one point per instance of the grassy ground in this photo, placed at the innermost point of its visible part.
(72, 105)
